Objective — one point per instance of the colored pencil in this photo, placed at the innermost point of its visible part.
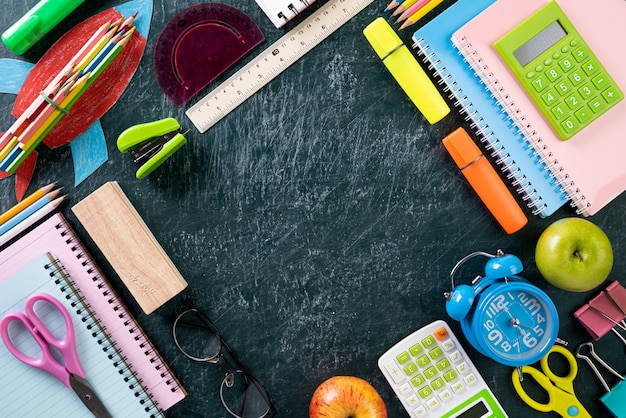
(393, 4)
(405, 5)
(47, 126)
(27, 211)
(31, 220)
(420, 13)
(412, 10)
(95, 49)
(25, 203)
(54, 86)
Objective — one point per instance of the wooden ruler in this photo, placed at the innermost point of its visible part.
(273, 61)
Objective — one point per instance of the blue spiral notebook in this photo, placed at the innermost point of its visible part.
(517, 160)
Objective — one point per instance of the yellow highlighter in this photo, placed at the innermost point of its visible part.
(406, 70)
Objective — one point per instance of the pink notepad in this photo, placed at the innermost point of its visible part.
(590, 166)
(56, 235)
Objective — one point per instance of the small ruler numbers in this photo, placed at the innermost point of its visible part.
(273, 61)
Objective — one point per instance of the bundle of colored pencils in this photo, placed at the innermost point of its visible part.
(28, 212)
(66, 88)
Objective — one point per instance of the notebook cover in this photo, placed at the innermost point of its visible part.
(592, 160)
(30, 392)
(56, 235)
(494, 127)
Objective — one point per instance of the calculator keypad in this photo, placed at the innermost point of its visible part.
(571, 87)
(430, 372)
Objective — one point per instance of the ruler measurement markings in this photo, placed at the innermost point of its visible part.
(273, 61)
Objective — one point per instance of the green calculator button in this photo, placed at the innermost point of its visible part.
(591, 67)
(410, 369)
(549, 98)
(438, 383)
(429, 341)
(611, 95)
(559, 111)
(586, 91)
(416, 349)
(583, 115)
(600, 81)
(430, 372)
(573, 101)
(423, 361)
(563, 87)
(577, 77)
(451, 375)
(540, 84)
(597, 105)
(403, 357)
(435, 353)
(580, 54)
(553, 74)
(567, 64)
(425, 392)
(418, 380)
(443, 364)
(570, 124)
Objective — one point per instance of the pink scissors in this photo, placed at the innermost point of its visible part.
(71, 374)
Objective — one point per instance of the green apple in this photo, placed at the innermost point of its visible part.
(346, 397)
(574, 254)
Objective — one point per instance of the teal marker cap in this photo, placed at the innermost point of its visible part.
(36, 23)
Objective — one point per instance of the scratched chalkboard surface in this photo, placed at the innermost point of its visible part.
(316, 224)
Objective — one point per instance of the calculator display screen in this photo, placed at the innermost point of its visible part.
(540, 43)
(477, 410)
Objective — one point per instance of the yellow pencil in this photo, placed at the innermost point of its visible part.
(420, 13)
(405, 5)
(8, 147)
(25, 203)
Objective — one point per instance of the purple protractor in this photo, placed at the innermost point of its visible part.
(198, 44)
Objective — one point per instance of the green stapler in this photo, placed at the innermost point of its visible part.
(150, 144)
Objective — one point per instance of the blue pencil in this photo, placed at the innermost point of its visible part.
(26, 212)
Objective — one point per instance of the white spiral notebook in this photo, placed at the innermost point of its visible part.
(590, 166)
(55, 235)
(500, 138)
(282, 11)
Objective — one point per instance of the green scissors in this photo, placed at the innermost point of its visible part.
(561, 397)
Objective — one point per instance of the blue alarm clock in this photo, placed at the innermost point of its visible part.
(503, 316)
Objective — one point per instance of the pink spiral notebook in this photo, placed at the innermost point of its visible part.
(590, 166)
(56, 235)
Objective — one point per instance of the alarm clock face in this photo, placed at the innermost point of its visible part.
(515, 323)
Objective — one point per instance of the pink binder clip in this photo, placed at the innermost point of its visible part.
(605, 312)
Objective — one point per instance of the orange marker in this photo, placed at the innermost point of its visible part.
(485, 181)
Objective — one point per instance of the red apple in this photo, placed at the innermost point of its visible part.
(346, 397)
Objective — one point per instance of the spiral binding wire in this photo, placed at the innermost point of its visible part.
(487, 137)
(536, 146)
(98, 330)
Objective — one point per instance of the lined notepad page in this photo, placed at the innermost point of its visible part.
(27, 391)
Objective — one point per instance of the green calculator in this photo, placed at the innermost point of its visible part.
(559, 71)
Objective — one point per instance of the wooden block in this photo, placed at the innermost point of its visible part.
(130, 247)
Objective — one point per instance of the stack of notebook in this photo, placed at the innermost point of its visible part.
(547, 172)
(121, 363)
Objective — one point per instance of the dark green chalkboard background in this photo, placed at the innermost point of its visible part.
(316, 224)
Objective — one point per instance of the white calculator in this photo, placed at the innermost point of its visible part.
(433, 377)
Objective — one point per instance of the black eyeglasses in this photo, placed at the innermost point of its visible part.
(242, 395)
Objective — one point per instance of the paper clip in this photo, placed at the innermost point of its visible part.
(605, 312)
(614, 398)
